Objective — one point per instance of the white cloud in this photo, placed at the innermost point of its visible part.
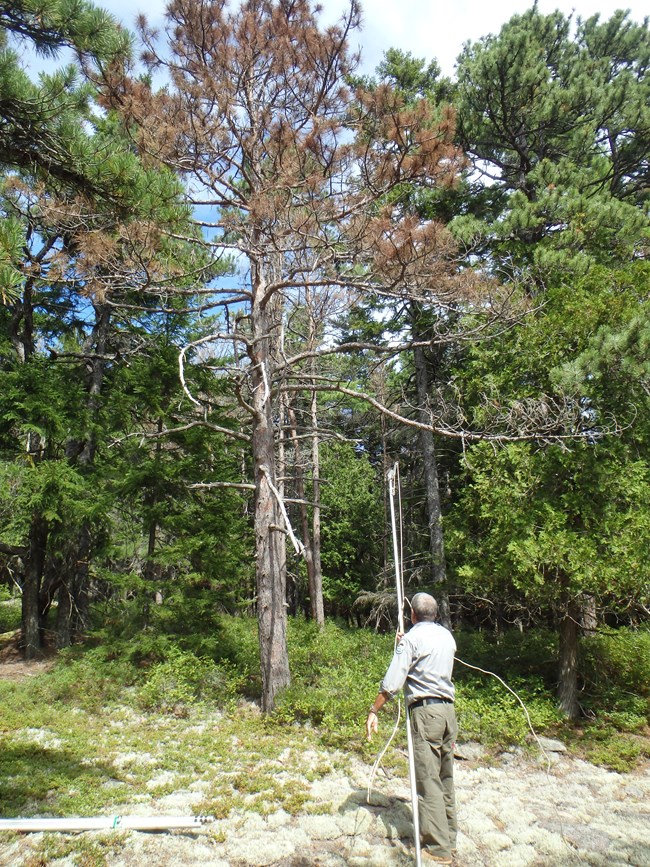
(435, 29)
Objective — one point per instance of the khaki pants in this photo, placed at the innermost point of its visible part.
(434, 734)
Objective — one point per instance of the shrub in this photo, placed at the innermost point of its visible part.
(184, 680)
(489, 713)
(87, 677)
(616, 667)
(613, 751)
(10, 611)
(336, 674)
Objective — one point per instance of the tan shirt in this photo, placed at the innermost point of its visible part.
(422, 664)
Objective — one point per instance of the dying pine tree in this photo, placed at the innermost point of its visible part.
(290, 172)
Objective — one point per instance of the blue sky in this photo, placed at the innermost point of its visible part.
(427, 28)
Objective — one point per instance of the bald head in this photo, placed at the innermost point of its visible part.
(424, 606)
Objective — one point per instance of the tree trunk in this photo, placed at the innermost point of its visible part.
(318, 606)
(21, 334)
(299, 474)
(588, 615)
(81, 582)
(270, 566)
(53, 572)
(568, 663)
(73, 614)
(31, 608)
(295, 594)
(73, 600)
(64, 616)
(316, 578)
(432, 487)
(149, 571)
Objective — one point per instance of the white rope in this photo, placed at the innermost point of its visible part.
(375, 767)
(525, 709)
(393, 478)
(382, 753)
(566, 842)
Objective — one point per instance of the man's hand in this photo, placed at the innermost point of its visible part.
(372, 725)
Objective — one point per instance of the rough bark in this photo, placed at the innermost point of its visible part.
(50, 583)
(34, 565)
(270, 566)
(318, 608)
(64, 616)
(588, 615)
(568, 663)
(431, 484)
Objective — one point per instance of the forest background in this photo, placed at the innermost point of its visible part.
(241, 282)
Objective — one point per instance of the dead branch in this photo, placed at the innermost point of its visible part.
(542, 420)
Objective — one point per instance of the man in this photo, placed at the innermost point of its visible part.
(422, 664)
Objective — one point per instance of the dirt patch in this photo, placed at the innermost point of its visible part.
(12, 664)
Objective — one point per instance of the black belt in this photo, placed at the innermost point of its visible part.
(420, 702)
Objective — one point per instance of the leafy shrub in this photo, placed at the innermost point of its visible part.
(529, 654)
(613, 751)
(336, 674)
(617, 670)
(5, 593)
(186, 626)
(184, 680)
(87, 677)
(236, 642)
(10, 611)
(488, 713)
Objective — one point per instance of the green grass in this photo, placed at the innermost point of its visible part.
(90, 768)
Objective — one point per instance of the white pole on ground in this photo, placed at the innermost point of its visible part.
(98, 823)
(393, 481)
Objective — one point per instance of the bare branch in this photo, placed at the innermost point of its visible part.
(297, 544)
(170, 432)
(13, 550)
(524, 421)
(243, 486)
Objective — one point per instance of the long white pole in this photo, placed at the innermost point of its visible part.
(97, 823)
(392, 480)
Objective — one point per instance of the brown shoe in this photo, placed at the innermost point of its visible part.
(428, 858)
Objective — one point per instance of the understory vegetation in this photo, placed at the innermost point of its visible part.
(131, 720)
